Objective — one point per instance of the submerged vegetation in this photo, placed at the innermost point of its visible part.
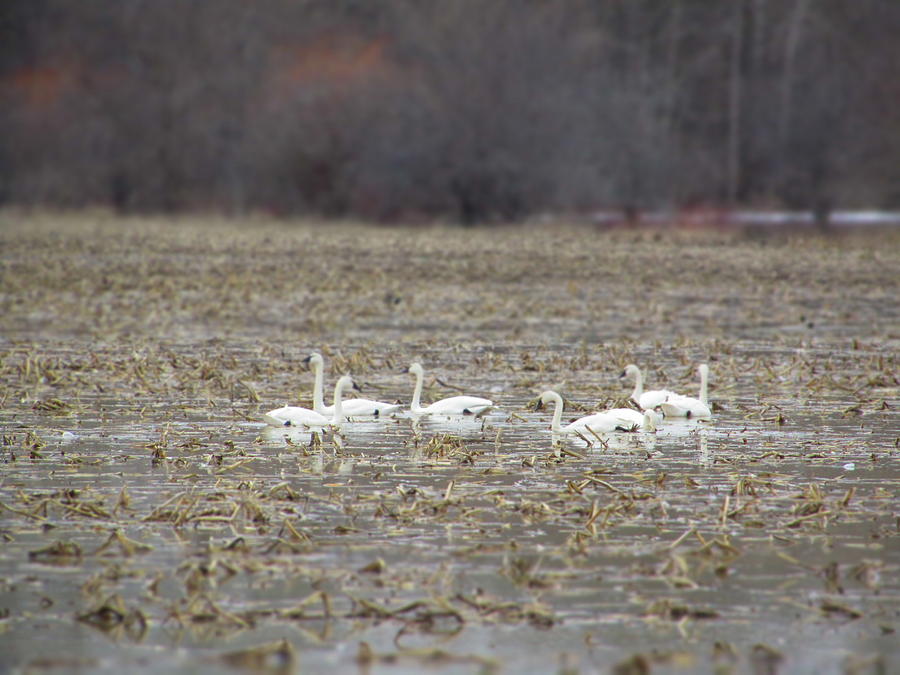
(144, 505)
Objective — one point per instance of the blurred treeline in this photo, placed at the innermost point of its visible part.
(471, 110)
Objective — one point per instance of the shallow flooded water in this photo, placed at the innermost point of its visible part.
(150, 521)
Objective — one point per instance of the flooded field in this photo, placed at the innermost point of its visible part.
(151, 522)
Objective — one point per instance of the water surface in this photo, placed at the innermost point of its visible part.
(151, 522)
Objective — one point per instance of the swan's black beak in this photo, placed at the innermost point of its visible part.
(405, 371)
(622, 375)
(356, 387)
(539, 405)
(307, 360)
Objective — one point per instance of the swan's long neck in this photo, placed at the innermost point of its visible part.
(557, 413)
(415, 406)
(338, 418)
(318, 402)
(704, 377)
(638, 384)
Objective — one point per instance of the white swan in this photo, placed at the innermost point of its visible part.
(628, 419)
(294, 416)
(647, 400)
(617, 419)
(455, 405)
(353, 407)
(687, 406)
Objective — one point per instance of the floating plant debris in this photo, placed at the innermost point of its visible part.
(144, 508)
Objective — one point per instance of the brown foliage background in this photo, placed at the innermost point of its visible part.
(465, 110)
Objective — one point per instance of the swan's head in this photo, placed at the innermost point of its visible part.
(416, 369)
(630, 370)
(704, 370)
(314, 359)
(549, 397)
(346, 383)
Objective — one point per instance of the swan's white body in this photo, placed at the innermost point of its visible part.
(616, 419)
(628, 419)
(294, 416)
(353, 407)
(687, 406)
(647, 400)
(455, 405)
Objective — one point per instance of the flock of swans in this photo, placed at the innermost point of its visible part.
(654, 405)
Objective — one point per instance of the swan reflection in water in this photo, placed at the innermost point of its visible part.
(644, 442)
(459, 425)
(310, 440)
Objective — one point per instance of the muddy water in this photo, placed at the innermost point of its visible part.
(151, 522)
